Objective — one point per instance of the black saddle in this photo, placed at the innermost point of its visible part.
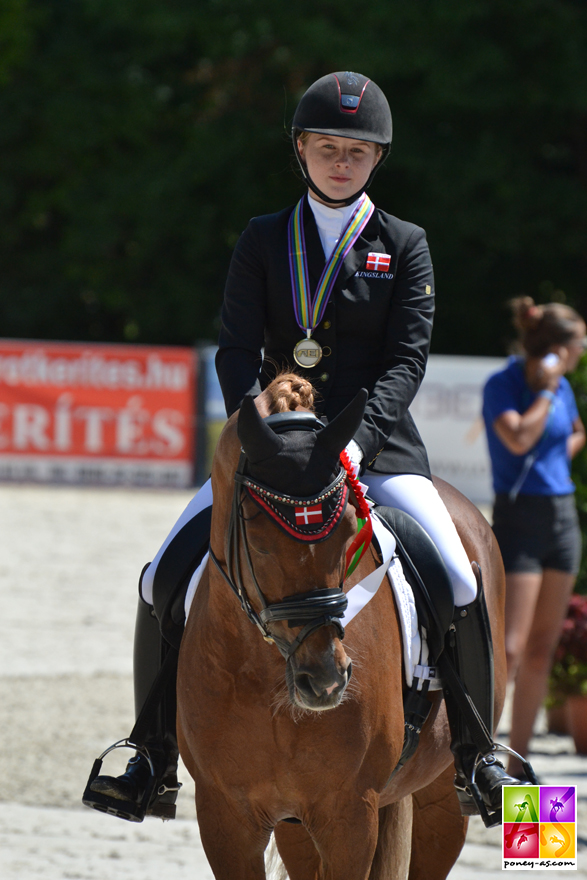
(426, 573)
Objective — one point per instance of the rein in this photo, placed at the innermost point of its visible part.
(311, 610)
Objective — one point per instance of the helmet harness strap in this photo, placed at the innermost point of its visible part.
(385, 150)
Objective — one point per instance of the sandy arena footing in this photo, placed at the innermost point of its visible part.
(70, 562)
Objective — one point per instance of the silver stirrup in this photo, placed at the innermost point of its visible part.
(491, 759)
(127, 744)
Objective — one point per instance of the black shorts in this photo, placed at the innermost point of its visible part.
(538, 531)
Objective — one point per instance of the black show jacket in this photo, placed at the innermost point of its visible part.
(375, 332)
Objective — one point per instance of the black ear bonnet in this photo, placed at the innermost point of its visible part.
(293, 470)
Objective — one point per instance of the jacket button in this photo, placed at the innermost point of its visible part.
(327, 325)
(324, 377)
(326, 351)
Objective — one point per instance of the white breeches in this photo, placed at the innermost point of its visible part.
(417, 496)
(411, 493)
(202, 499)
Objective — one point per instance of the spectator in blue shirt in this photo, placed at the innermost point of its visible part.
(533, 432)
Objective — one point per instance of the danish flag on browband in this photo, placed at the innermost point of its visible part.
(309, 514)
(378, 262)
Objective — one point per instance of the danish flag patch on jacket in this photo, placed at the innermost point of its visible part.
(378, 262)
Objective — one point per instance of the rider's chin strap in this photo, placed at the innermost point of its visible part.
(364, 535)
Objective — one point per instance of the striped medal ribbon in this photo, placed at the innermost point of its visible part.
(309, 309)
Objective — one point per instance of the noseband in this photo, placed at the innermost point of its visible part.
(316, 608)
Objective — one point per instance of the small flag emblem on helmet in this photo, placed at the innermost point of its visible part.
(378, 262)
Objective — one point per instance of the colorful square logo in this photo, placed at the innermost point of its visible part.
(539, 827)
(557, 803)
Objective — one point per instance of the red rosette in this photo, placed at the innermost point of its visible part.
(365, 531)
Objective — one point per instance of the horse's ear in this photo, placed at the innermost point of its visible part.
(258, 440)
(335, 436)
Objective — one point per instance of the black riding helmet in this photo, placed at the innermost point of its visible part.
(343, 104)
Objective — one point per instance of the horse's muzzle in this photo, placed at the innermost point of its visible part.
(318, 688)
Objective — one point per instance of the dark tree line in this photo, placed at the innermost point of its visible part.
(138, 137)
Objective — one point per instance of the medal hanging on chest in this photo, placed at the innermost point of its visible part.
(309, 310)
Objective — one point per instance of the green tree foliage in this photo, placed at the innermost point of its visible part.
(137, 137)
(578, 381)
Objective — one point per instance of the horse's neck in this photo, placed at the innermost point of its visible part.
(223, 623)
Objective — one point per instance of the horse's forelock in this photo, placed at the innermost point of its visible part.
(289, 392)
(300, 468)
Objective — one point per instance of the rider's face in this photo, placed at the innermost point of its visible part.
(338, 166)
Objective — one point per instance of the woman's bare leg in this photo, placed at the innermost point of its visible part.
(522, 589)
(536, 658)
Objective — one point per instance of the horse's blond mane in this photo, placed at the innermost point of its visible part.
(289, 392)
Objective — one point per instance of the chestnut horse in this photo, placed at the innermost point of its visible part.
(252, 728)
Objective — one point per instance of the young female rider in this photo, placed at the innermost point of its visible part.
(364, 321)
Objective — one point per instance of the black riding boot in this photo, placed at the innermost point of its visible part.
(150, 650)
(469, 647)
(129, 796)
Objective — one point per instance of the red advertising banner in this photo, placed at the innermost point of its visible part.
(96, 413)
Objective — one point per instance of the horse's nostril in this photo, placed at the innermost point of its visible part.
(304, 683)
(312, 686)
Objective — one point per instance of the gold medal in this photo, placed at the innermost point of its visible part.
(307, 353)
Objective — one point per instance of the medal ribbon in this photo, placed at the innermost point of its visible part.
(310, 310)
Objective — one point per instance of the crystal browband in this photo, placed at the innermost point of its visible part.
(314, 534)
(266, 492)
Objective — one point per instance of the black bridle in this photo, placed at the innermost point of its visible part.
(311, 610)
